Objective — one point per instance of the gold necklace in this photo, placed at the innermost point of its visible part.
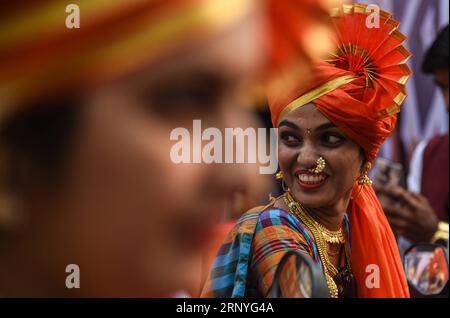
(328, 268)
(333, 237)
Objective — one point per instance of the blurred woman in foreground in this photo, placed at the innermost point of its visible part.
(86, 117)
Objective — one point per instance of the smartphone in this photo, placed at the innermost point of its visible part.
(388, 172)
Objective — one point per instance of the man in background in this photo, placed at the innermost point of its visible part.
(420, 214)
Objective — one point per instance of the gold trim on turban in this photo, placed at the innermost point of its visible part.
(316, 93)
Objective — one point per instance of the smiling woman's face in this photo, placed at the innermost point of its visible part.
(304, 136)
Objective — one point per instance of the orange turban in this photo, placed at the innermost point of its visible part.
(360, 89)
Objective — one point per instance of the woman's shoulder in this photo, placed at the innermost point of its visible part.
(279, 230)
(274, 216)
(266, 217)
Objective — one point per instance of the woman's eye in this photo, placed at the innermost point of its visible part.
(332, 139)
(289, 138)
(193, 97)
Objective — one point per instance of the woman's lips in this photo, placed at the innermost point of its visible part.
(310, 181)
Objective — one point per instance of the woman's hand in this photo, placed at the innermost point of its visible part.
(409, 214)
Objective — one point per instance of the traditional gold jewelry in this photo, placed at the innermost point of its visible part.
(320, 166)
(332, 237)
(279, 175)
(364, 179)
(319, 242)
(441, 233)
(328, 268)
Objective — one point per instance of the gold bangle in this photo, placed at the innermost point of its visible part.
(441, 233)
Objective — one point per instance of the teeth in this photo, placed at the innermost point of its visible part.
(307, 178)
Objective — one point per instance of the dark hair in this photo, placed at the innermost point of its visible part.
(437, 55)
(34, 145)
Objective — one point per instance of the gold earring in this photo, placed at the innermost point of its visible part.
(364, 179)
(279, 175)
(320, 166)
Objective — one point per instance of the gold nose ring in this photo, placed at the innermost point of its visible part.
(320, 166)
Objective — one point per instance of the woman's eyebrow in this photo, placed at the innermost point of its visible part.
(294, 126)
(326, 126)
(288, 124)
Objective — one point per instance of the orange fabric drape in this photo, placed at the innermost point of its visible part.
(374, 249)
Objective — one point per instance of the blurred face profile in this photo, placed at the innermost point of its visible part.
(131, 219)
